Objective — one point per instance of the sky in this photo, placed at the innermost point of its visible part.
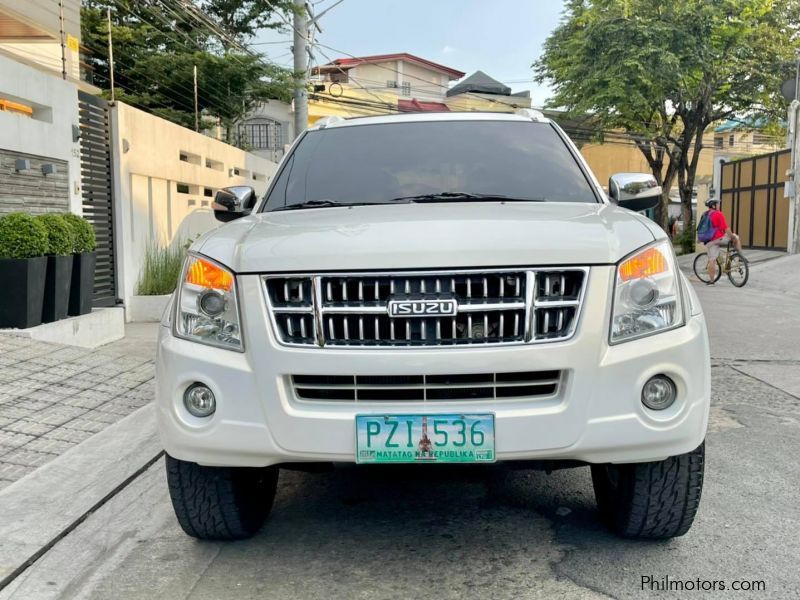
(500, 37)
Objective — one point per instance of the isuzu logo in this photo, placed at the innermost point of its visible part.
(447, 307)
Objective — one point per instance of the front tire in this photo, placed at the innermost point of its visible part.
(220, 503)
(655, 500)
(740, 270)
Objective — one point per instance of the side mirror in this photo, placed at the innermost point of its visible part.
(634, 191)
(233, 202)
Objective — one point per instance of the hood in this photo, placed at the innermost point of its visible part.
(422, 236)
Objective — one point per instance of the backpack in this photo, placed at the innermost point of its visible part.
(705, 230)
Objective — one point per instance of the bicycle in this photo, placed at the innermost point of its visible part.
(731, 262)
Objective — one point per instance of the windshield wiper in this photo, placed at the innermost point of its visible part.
(321, 204)
(458, 196)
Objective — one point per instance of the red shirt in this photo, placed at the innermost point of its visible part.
(719, 223)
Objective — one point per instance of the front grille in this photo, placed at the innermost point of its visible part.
(493, 307)
(426, 388)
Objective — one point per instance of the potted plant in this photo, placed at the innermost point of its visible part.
(84, 260)
(59, 267)
(23, 244)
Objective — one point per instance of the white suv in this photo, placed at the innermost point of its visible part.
(434, 288)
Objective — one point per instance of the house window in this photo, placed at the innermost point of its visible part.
(406, 88)
(263, 135)
(182, 188)
(208, 192)
(731, 140)
(339, 77)
(719, 142)
(760, 138)
(391, 84)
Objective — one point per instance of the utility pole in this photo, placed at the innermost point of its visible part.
(300, 51)
(196, 111)
(110, 53)
(793, 175)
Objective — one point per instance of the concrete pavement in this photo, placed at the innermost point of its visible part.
(55, 396)
(497, 532)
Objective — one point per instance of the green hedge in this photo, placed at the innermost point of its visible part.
(22, 236)
(82, 233)
(60, 241)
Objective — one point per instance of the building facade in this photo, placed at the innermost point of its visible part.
(735, 139)
(40, 169)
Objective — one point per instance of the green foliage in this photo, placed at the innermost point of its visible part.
(161, 269)
(685, 240)
(60, 240)
(157, 45)
(244, 18)
(82, 233)
(22, 236)
(664, 72)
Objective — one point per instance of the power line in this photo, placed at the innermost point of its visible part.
(218, 94)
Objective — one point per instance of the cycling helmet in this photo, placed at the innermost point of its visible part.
(711, 202)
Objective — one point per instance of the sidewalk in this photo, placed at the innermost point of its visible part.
(753, 256)
(54, 397)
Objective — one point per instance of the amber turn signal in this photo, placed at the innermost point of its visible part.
(208, 275)
(645, 264)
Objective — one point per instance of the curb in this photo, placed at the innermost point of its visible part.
(40, 509)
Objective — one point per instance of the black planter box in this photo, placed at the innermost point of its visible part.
(82, 287)
(56, 288)
(21, 302)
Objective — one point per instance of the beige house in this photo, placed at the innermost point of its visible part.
(389, 83)
(738, 139)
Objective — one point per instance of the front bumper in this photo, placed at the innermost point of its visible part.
(596, 417)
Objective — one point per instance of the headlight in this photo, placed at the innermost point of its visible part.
(207, 308)
(647, 294)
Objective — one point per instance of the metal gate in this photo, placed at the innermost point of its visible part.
(97, 187)
(752, 199)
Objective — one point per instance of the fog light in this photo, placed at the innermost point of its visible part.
(199, 400)
(659, 392)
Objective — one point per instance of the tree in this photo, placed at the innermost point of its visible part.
(157, 44)
(243, 18)
(662, 73)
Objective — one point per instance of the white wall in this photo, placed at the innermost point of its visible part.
(147, 170)
(49, 132)
(43, 19)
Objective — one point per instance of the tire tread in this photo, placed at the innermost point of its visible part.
(656, 500)
(220, 503)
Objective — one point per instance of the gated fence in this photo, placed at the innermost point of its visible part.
(752, 199)
(96, 185)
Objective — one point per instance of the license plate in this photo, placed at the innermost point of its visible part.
(450, 438)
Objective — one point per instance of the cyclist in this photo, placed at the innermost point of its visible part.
(722, 236)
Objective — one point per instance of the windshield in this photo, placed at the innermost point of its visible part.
(430, 161)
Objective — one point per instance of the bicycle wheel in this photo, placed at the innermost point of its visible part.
(740, 270)
(701, 268)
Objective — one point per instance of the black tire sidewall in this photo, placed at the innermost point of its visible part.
(746, 266)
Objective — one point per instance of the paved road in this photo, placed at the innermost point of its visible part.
(495, 533)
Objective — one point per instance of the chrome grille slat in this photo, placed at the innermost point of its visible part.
(495, 307)
(427, 388)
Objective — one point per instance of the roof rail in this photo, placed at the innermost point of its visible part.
(530, 113)
(325, 121)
